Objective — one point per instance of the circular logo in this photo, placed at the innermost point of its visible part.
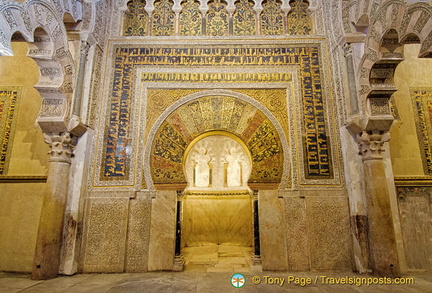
(238, 280)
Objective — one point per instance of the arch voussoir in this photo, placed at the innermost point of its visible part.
(41, 24)
(384, 53)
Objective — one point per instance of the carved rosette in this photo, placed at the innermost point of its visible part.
(371, 143)
(62, 146)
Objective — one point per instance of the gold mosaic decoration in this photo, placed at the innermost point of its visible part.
(422, 101)
(163, 19)
(216, 113)
(225, 77)
(299, 20)
(117, 147)
(244, 18)
(217, 22)
(168, 152)
(190, 19)
(160, 99)
(136, 19)
(272, 18)
(274, 100)
(217, 19)
(9, 100)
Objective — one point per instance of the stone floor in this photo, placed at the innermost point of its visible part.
(209, 269)
(198, 282)
(217, 258)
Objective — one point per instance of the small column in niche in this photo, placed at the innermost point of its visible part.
(234, 168)
(202, 168)
(217, 162)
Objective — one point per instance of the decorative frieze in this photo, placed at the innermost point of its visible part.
(50, 71)
(217, 18)
(61, 52)
(10, 19)
(163, 19)
(52, 108)
(39, 52)
(379, 106)
(244, 19)
(68, 69)
(136, 19)
(299, 19)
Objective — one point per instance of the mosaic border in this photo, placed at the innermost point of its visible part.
(8, 123)
(420, 97)
(330, 127)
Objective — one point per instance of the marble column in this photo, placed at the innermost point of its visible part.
(383, 256)
(84, 51)
(49, 240)
(348, 53)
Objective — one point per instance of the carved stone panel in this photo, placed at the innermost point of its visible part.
(415, 209)
(138, 233)
(329, 232)
(297, 242)
(105, 233)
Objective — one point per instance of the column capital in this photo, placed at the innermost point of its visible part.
(371, 143)
(84, 49)
(62, 145)
(347, 49)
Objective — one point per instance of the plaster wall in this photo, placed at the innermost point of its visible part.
(29, 151)
(409, 160)
(20, 207)
(413, 72)
(21, 203)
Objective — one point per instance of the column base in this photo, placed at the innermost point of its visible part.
(179, 263)
(256, 263)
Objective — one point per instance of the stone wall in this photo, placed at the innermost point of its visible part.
(316, 231)
(408, 153)
(299, 231)
(126, 231)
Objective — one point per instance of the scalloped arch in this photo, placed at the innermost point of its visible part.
(414, 19)
(41, 25)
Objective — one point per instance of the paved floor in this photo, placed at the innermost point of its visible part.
(217, 258)
(200, 282)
